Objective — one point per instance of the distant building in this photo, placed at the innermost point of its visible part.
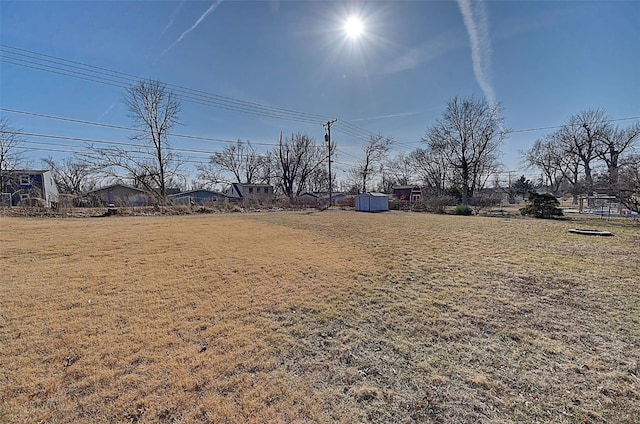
(251, 193)
(407, 194)
(200, 197)
(28, 187)
(337, 197)
(119, 195)
(308, 199)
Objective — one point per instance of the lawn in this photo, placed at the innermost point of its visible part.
(325, 317)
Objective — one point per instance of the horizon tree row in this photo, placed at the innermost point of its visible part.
(460, 155)
(590, 154)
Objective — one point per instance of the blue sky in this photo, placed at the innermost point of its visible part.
(543, 60)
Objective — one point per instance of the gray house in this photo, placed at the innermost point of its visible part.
(372, 202)
(248, 193)
(28, 187)
(199, 197)
(120, 195)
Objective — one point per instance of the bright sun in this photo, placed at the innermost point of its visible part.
(353, 27)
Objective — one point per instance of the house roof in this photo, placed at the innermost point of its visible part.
(307, 193)
(374, 194)
(112, 186)
(325, 195)
(28, 171)
(234, 190)
(191, 192)
(406, 187)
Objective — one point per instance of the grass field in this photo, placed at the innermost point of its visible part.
(318, 317)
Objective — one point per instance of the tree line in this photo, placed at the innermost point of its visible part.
(589, 154)
(460, 154)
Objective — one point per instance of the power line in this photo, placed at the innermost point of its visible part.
(84, 122)
(108, 142)
(560, 126)
(183, 159)
(52, 64)
(48, 63)
(98, 124)
(116, 144)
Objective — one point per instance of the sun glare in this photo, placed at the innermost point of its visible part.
(353, 27)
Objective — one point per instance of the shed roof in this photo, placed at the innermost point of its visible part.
(374, 194)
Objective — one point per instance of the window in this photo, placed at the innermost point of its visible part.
(25, 180)
(258, 190)
(250, 189)
(24, 196)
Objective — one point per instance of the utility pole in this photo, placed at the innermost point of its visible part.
(327, 138)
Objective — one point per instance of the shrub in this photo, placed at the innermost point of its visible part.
(435, 204)
(347, 202)
(462, 210)
(543, 206)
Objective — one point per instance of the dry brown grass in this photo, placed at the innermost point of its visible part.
(317, 317)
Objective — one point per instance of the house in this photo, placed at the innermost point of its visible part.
(372, 202)
(308, 199)
(250, 193)
(200, 197)
(29, 187)
(337, 197)
(407, 194)
(119, 195)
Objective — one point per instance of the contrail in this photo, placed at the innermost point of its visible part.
(173, 16)
(194, 26)
(477, 24)
(395, 115)
(105, 112)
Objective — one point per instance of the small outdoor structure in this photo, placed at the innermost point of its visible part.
(600, 204)
(372, 202)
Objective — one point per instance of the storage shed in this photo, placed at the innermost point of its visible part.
(372, 202)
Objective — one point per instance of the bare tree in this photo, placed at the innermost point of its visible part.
(240, 160)
(72, 176)
(579, 137)
(396, 171)
(546, 156)
(266, 172)
(318, 181)
(11, 151)
(469, 135)
(207, 177)
(613, 145)
(375, 152)
(432, 168)
(629, 183)
(153, 165)
(297, 158)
